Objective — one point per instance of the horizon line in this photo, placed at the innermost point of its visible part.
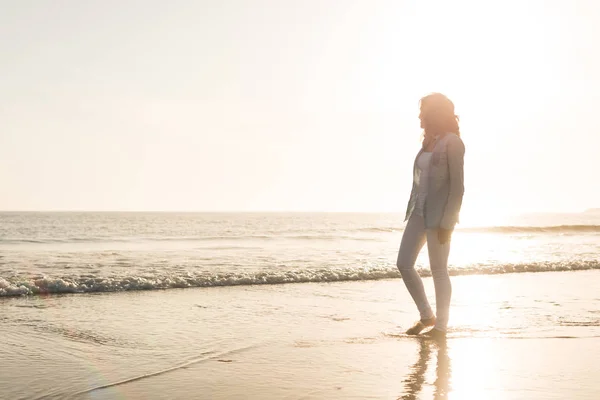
(515, 213)
(200, 211)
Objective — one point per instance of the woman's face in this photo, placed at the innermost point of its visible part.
(421, 117)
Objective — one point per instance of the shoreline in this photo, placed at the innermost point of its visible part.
(70, 286)
(320, 340)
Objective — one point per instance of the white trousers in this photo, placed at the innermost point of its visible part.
(414, 237)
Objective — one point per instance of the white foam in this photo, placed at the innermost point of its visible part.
(88, 284)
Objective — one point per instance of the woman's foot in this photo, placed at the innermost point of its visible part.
(435, 334)
(420, 325)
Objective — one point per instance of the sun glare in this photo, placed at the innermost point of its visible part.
(471, 217)
(482, 66)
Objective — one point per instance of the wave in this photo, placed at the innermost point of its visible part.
(132, 239)
(91, 284)
(536, 229)
(506, 229)
(282, 236)
(295, 235)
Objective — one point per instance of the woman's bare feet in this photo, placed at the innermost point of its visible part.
(435, 334)
(420, 325)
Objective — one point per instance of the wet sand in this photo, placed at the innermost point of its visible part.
(512, 336)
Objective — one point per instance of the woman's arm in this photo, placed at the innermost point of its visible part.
(456, 154)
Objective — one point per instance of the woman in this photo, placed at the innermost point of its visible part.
(433, 210)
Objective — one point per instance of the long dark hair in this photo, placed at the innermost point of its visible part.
(437, 115)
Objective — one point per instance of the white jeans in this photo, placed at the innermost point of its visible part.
(414, 237)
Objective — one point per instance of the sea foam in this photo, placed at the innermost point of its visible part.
(19, 286)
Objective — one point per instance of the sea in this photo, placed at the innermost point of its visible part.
(81, 252)
(291, 306)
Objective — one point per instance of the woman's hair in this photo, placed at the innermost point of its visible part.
(437, 115)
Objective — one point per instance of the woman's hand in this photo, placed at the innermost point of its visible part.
(444, 235)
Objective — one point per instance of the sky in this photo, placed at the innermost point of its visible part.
(281, 105)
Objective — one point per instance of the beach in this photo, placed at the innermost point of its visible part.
(291, 306)
(512, 336)
(207, 200)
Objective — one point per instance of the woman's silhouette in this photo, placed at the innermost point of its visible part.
(433, 210)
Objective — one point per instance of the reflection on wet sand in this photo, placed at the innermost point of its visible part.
(413, 383)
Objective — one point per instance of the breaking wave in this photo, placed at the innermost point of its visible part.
(91, 284)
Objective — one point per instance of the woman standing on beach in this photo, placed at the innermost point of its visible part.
(433, 209)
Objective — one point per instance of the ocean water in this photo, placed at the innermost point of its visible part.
(47, 253)
(512, 334)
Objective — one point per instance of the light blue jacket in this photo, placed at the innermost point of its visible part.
(445, 188)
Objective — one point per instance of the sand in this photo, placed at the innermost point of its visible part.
(512, 336)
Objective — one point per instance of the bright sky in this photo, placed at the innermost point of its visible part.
(288, 105)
